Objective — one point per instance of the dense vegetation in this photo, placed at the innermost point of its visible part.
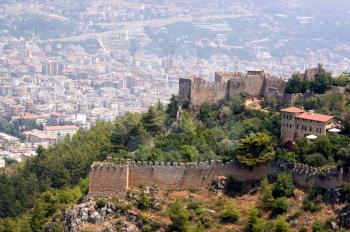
(43, 186)
(15, 128)
(153, 136)
(36, 191)
(323, 82)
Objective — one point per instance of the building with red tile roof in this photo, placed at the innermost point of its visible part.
(38, 136)
(296, 123)
(314, 117)
(61, 131)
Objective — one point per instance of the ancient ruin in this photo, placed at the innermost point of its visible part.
(109, 179)
(196, 91)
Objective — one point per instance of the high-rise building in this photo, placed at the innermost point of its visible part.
(52, 68)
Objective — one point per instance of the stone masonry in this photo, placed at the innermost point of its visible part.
(109, 179)
(196, 91)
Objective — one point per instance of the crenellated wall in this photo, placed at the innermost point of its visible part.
(116, 179)
(108, 179)
(183, 176)
(197, 91)
(207, 92)
(307, 176)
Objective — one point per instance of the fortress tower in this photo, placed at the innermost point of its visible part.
(196, 91)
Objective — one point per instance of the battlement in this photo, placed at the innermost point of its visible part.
(197, 91)
(176, 164)
(108, 178)
(199, 85)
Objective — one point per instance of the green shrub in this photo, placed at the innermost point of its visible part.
(100, 203)
(296, 215)
(147, 228)
(284, 186)
(316, 160)
(262, 226)
(121, 207)
(149, 225)
(204, 221)
(314, 193)
(200, 215)
(280, 225)
(266, 201)
(318, 226)
(195, 206)
(143, 202)
(192, 190)
(257, 224)
(230, 214)
(280, 205)
(311, 206)
(253, 218)
(179, 217)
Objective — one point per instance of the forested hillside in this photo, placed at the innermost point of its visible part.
(41, 188)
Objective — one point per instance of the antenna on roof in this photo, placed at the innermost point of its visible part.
(236, 66)
(33, 34)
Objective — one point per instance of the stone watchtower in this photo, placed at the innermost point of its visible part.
(185, 86)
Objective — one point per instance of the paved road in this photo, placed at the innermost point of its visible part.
(139, 25)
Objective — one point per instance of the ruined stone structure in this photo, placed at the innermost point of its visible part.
(196, 91)
(109, 179)
(312, 73)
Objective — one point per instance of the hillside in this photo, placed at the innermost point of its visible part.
(151, 209)
(41, 189)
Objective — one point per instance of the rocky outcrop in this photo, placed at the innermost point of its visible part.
(87, 212)
(111, 215)
(100, 217)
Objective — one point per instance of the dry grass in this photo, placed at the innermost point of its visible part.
(215, 201)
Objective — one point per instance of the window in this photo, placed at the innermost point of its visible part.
(310, 128)
(297, 126)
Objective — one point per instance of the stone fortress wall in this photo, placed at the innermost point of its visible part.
(109, 179)
(207, 92)
(258, 84)
(106, 179)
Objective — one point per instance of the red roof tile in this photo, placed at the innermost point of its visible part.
(67, 127)
(314, 117)
(39, 134)
(292, 110)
